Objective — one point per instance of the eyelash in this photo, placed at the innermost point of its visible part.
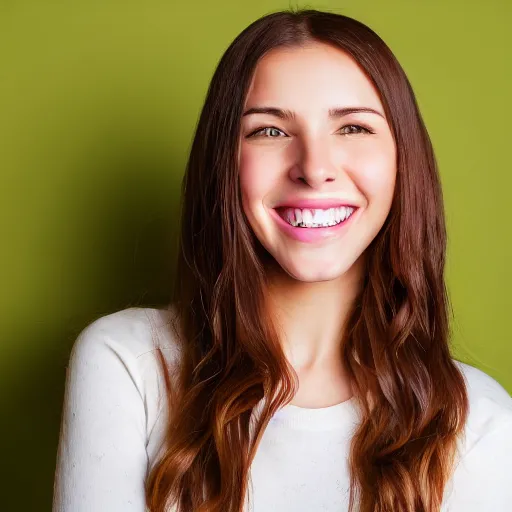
(255, 132)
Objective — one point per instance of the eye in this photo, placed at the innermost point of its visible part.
(263, 130)
(357, 127)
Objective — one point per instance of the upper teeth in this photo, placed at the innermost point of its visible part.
(309, 217)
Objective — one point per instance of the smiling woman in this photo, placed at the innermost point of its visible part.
(304, 361)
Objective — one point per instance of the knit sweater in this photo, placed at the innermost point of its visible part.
(114, 418)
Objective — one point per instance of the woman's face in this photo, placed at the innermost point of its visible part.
(301, 165)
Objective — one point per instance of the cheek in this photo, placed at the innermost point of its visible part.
(376, 177)
(258, 175)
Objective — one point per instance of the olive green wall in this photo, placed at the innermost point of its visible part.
(98, 103)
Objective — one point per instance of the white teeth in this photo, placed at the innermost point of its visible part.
(309, 218)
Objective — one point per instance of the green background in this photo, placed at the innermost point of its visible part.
(98, 104)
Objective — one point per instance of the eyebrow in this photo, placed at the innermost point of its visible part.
(334, 113)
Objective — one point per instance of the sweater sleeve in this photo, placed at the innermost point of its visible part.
(101, 457)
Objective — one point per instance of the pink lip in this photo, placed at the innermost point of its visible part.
(312, 235)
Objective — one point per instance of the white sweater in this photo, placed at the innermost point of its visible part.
(113, 426)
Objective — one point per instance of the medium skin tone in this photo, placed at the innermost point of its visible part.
(350, 157)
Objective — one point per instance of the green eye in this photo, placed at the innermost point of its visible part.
(263, 129)
(362, 128)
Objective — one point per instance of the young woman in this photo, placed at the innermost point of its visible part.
(304, 362)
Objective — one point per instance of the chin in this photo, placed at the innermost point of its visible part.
(316, 272)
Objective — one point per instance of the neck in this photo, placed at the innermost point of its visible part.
(311, 316)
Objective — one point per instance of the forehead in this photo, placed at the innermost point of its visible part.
(317, 76)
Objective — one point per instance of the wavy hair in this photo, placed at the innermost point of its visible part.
(411, 395)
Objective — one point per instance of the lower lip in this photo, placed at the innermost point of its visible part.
(312, 235)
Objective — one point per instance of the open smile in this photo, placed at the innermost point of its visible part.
(312, 225)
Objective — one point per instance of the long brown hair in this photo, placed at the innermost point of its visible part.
(410, 393)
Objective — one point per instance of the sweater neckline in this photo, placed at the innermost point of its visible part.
(336, 416)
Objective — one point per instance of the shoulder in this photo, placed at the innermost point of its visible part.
(133, 332)
(115, 358)
(482, 473)
(490, 405)
(125, 343)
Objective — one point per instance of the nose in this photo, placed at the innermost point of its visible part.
(314, 166)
